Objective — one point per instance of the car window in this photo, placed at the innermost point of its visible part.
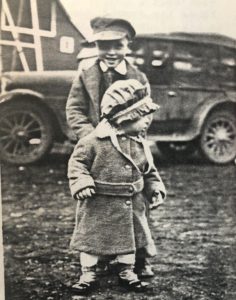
(158, 68)
(151, 56)
(194, 64)
(138, 54)
(227, 68)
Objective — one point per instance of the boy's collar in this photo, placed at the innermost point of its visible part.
(121, 68)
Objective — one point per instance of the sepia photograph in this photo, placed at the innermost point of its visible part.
(118, 149)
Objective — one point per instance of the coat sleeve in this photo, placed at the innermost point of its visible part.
(79, 166)
(153, 183)
(77, 108)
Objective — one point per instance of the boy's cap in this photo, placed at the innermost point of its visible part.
(126, 100)
(106, 29)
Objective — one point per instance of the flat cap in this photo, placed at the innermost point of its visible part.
(105, 29)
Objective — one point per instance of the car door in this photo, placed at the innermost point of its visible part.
(159, 73)
(167, 119)
(227, 68)
(182, 74)
(194, 77)
(153, 56)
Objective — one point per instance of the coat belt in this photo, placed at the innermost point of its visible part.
(119, 188)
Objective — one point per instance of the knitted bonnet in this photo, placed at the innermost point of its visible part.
(126, 100)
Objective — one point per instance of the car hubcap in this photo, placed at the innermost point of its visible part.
(220, 140)
(20, 134)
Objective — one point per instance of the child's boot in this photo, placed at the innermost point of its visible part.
(129, 280)
(87, 282)
(143, 268)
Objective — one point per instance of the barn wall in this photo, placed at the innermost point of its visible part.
(58, 52)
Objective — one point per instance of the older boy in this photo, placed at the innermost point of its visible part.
(112, 37)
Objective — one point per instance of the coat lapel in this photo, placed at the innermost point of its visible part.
(116, 144)
(147, 151)
(131, 71)
(92, 78)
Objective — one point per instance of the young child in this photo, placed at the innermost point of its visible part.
(111, 173)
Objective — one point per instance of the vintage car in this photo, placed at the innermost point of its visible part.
(193, 79)
(32, 114)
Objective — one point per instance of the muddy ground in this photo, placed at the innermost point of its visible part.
(194, 233)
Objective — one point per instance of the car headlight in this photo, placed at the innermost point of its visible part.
(4, 83)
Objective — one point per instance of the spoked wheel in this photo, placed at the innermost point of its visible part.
(218, 138)
(177, 150)
(26, 134)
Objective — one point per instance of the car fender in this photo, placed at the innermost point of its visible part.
(205, 109)
(13, 94)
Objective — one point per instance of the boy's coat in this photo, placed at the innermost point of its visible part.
(83, 104)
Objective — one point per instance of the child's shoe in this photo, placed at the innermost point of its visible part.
(143, 268)
(146, 272)
(87, 282)
(129, 280)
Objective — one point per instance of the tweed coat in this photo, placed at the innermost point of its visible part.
(114, 220)
(83, 104)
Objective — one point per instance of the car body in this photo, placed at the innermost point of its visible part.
(192, 77)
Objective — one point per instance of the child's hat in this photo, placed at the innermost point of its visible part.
(106, 29)
(126, 100)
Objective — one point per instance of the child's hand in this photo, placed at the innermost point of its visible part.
(157, 200)
(85, 193)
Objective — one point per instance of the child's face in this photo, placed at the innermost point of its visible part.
(112, 52)
(138, 126)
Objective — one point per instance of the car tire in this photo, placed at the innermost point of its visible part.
(218, 137)
(177, 150)
(26, 133)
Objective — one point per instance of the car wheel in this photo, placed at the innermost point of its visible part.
(26, 133)
(218, 137)
(177, 150)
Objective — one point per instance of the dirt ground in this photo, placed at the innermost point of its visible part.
(194, 233)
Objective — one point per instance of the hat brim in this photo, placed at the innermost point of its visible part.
(142, 108)
(109, 35)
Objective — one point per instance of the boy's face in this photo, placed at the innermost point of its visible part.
(138, 126)
(112, 52)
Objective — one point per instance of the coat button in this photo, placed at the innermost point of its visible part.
(128, 202)
(127, 166)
